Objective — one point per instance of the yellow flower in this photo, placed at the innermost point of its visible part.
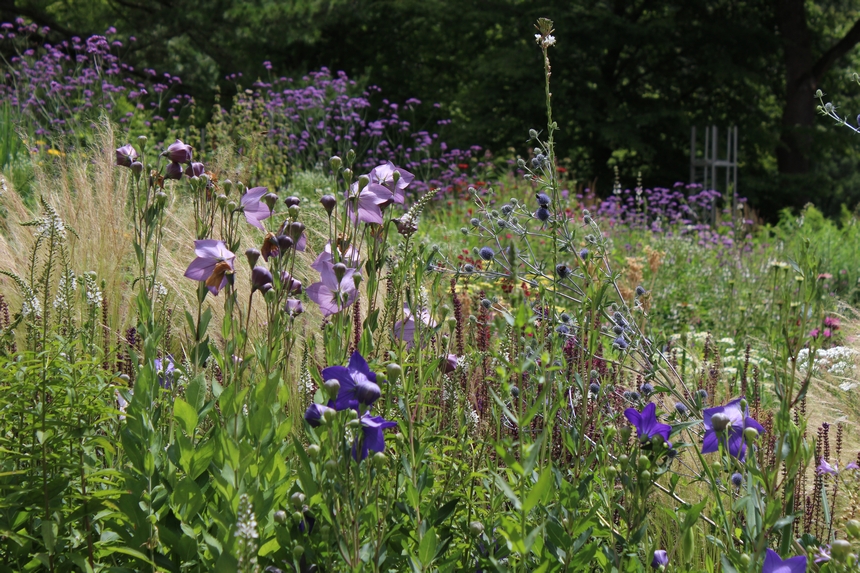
(56, 153)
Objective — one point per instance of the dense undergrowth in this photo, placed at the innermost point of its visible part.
(297, 355)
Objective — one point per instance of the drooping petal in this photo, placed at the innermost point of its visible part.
(254, 208)
(711, 443)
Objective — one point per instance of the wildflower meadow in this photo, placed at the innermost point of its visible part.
(313, 337)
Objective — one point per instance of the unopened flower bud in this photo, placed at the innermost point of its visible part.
(297, 499)
(363, 181)
(625, 433)
(379, 459)
(646, 476)
(356, 279)
(253, 255)
(750, 434)
(141, 140)
(476, 528)
(222, 200)
(313, 451)
(350, 156)
(232, 206)
(161, 199)
(394, 371)
(298, 551)
(328, 202)
(136, 167)
(280, 516)
(347, 175)
(335, 163)
(227, 186)
(623, 459)
(720, 422)
(293, 211)
(291, 201)
(332, 386)
(840, 549)
(270, 199)
(611, 473)
(339, 270)
(331, 466)
(853, 528)
(644, 463)
(354, 423)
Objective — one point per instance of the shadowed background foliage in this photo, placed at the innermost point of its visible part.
(630, 77)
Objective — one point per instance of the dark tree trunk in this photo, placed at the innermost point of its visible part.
(803, 73)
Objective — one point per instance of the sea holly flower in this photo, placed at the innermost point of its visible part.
(373, 437)
(179, 152)
(357, 383)
(254, 208)
(333, 294)
(646, 423)
(126, 155)
(384, 175)
(774, 564)
(728, 421)
(365, 204)
(660, 559)
(405, 329)
(212, 265)
(314, 414)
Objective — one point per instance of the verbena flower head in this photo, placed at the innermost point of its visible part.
(738, 421)
(774, 564)
(365, 204)
(357, 383)
(660, 559)
(254, 208)
(314, 414)
(178, 152)
(384, 175)
(373, 437)
(126, 155)
(212, 265)
(646, 423)
(333, 295)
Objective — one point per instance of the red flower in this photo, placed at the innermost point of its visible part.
(463, 165)
(561, 169)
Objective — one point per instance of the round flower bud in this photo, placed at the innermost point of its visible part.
(141, 140)
(332, 386)
(562, 270)
(625, 433)
(350, 156)
(646, 476)
(640, 290)
(750, 434)
(161, 199)
(840, 549)
(313, 451)
(293, 210)
(354, 423)
(487, 253)
(745, 560)
(335, 163)
(270, 199)
(280, 516)
(515, 392)
(292, 201)
(737, 479)
(542, 214)
(227, 186)
(394, 371)
(298, 551)
(124, 378)
(363, 181)
(379, 460)
(297, 499)
(328, 202)
(331, 466)
(476, 528)
(643, 462)
(623, 459)
(253, 255)
(486, 303)
(853, 528)
(136, 167)
(720, 422)
(339, 270)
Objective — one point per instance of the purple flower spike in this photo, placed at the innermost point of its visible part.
(367, 203)
(212, 265)
(333, 295)
(178, 152)
(660, 559)
(357, 383)
(314, 414)
(384, 175)
(773, 563)
(646, 423)
(373, 435)
(126, 155)
(738, 421)
(254, 208)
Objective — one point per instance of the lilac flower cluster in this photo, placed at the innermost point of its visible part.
(323, 114)
(61, 85)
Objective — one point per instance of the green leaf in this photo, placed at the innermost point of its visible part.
(506, 489)
(427, 548)
(186, 415)
(539, 490)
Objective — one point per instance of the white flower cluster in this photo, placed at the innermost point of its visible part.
(31, 306)
(51, 224)
(246, 526)
(160, 290)
(3, 188)
(839, 360)
(545, 41)
(65, 288)
(91, 289)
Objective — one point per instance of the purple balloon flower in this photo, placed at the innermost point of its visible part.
(357, 383)
(333, 295)
(290, 284)
(126, 155)
(660, 559)
(178, 152)
(367, 202)
(405, 329)
(261, 279)
(738, 421)
(314, 414)
(166, 369)
(293, 307)
(384, 175)
(350, 258)
(212, 265)
(646, 423)
(194, 169)
(773, 563)
(373, 437)
(173, 171)
(254, 208)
